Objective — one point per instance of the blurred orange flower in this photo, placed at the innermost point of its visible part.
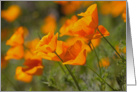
(69, 7)
(33, 66)
(16, 52)
(48, 43)
(17, 38)
(11, 13)
(104, 62)
(49, 24)
(120, 50)
(115, 8)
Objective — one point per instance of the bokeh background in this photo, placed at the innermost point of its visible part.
(32, 16)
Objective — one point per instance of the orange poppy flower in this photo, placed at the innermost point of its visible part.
(66, 29)
(103, 30)
(75, 54)
(60, 49)
(16, 52)
(49, 25)
(93, 13)
(33, 66)
(48, 43)
(104, 62)
(22, 76)
(11, 13)
(86, 26)
(17, 38)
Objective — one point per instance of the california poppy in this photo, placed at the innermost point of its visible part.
(22, 76)
(86, 26)
(66, 29)
(17, 38)
(32, 66)
(16, 52)
(48, 43)
(11, 13)
(49, 24)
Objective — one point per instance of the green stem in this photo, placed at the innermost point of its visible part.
(61, 67)
(111, 46)
(95, 54)
(73, 77)
(101, 78)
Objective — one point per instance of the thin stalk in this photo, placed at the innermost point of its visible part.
(73, 77)
(101, 78)
(95, 54)
(61, 67)
(111, 46)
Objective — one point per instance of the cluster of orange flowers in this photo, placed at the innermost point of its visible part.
(83, 32)
(115, 8)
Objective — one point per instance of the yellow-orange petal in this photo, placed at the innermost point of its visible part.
(17, 38)
(48, 43)
(22, 76)
(79, 60)
(31, 55)
(37, 70)
(93, 13)
(103, 30)
(16, 52)
(66, 29)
